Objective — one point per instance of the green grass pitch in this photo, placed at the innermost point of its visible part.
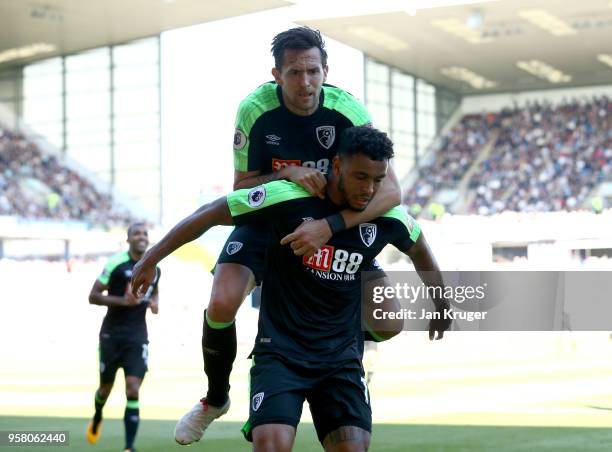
(156, 436)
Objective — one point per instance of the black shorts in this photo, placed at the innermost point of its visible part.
(337, 394)
(116, 352)
(247, 246)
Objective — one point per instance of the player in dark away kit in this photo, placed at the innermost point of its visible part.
(286, 129)
(307, 345)
(123, 336)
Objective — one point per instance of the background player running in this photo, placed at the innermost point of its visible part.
(123, 335)
(286, 129)
(307, 346)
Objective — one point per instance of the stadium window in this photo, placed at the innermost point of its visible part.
(402, 119)
(51, 131)
(377, 72)
(44, 67)
(380, 116)
(136, 76)
(135, 155)
(77, 137)
(138, 128)
(136, 53)
(401, 81)
(136, 101)
(138, 181)
(42, 109)
(378, 93)
(95, 158)
(84, 81)
(426, 125)
(403, 144)
(88, 61)
(87, 105)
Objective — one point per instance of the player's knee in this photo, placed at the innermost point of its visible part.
(350, 446)
(104, 391)
(132, 391)
(223, 307)
(131, 394)
(231, 285)
(347, 439)
(273, 438)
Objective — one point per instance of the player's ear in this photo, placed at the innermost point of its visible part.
(325, 70)
(277, 75)
(336, 164)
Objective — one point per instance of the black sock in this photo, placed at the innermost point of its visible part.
(219, 351)
(131, 420)
(99, 404)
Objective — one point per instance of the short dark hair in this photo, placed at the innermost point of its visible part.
(135, 225)
(300, 38)
(365, 140)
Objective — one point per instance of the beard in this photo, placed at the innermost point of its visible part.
(342, 190)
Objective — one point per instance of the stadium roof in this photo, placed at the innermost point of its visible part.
(478, 47)
(55, 27)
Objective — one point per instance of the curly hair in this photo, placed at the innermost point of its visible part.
(365, 140)
(300, 38)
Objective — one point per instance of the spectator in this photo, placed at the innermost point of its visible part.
(35, 185)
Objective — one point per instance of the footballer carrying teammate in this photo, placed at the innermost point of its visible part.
(308, 345)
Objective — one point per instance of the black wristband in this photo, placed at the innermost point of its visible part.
(336, 223)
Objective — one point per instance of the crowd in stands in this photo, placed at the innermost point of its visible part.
(38, 186)
(544, 158)
(457, 152)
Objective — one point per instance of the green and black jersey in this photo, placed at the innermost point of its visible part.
(123, 321)
(269, 137)
(311, 307)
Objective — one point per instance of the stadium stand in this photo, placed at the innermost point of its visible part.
(36, 185)
(542, 158)
(458, 149)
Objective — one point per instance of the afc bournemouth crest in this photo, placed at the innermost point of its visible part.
(257, 196)
(367, 231)
(257, 399)
(233, 247)
(326, 136)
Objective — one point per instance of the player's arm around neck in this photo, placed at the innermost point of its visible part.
(311, 179)
(250, 179)
(387, 197)
(190, 228)
(312, 235)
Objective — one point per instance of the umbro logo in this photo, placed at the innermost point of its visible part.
(273, 139)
